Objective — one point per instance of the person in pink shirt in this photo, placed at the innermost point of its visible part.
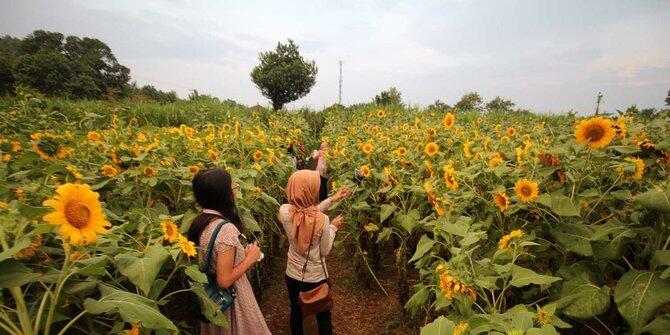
(322, 167)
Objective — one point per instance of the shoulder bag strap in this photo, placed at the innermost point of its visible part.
(210, 245)
(309, 249)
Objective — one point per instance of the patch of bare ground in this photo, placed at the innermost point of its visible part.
(357, 310)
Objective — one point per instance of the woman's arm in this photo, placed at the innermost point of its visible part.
(226, 274)
(326, 204)
(328, 234)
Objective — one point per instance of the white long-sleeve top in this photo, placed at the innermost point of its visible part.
(322, 241)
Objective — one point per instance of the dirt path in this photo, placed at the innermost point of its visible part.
(357, 310)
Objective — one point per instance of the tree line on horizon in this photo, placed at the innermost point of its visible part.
(86, 68)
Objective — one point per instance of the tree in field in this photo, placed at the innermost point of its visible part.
(499, 104)
(470, 101)
(61, 66)
(667, 100)
(389, 97)
(284, 75)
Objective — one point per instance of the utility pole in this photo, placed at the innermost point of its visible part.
(339, 100)
(600, 98)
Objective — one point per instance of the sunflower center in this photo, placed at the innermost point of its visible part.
(525, 190)
(77, 214)
(595, 133)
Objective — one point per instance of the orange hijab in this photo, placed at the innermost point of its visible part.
(302, 192)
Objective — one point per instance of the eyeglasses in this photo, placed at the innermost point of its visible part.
(235, 186)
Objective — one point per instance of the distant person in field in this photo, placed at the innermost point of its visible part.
(310, 234)
(215, 193)
(322, 167)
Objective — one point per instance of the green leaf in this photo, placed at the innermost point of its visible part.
(385, 211)
(131, 307)
(93, 266)
(574, 237)
(142, 269)
(660, 325)
(208, 308)
(639, 295)
(384, 235)
(15, 274)
(522, 277)
(408, 221)
(424, 245)
(583, 299)
(655, 200)
(193, 272)
(18, 246)
(559, 204)
(417, 300)
(439, 326)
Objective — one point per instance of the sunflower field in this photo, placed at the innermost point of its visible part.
(95, 200)
(512, 223)
(496, 223)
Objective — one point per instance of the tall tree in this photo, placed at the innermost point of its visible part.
(470, 101)
(499, 104)
(389, 97)
(283, 75)
(55, 65)
(667, 100)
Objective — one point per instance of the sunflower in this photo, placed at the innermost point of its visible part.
(16, 146)
(460, 328)
(78, 212)
(170, 231)
(501, 200)
(466, 149)
(135, 330)
(542, 316)
(639, 168)
(503, 244)
(380, 113)
(193, 168)
(596, 132)
(109, 170)
(495, 161)
(401, 151)
(149, 171)
(257, 155)
(93, 136)
(186, 246)
(449, 175)
(510, 132)
(213, 155)
(547, 159)
(526, 190)
(367, 148)
(141, 137)
(365, 171)
(449, 121)
(431, 149)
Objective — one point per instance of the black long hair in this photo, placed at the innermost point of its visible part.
(212, 190)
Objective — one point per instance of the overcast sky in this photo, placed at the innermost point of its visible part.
(547, 56)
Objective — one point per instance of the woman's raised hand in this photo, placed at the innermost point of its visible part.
(342, 193)
(337, 221)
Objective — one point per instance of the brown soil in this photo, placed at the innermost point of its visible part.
(357, 310)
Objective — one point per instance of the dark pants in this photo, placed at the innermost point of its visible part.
(323, 318)
(323, 189)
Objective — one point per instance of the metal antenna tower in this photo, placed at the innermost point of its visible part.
(339, 100)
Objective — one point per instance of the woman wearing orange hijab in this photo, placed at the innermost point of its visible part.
(306, 225)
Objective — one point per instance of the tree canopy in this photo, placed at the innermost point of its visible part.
(470, 101)
(61, 66)
(389, 97)
(283, 75)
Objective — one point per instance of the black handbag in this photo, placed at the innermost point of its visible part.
(224, 298)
